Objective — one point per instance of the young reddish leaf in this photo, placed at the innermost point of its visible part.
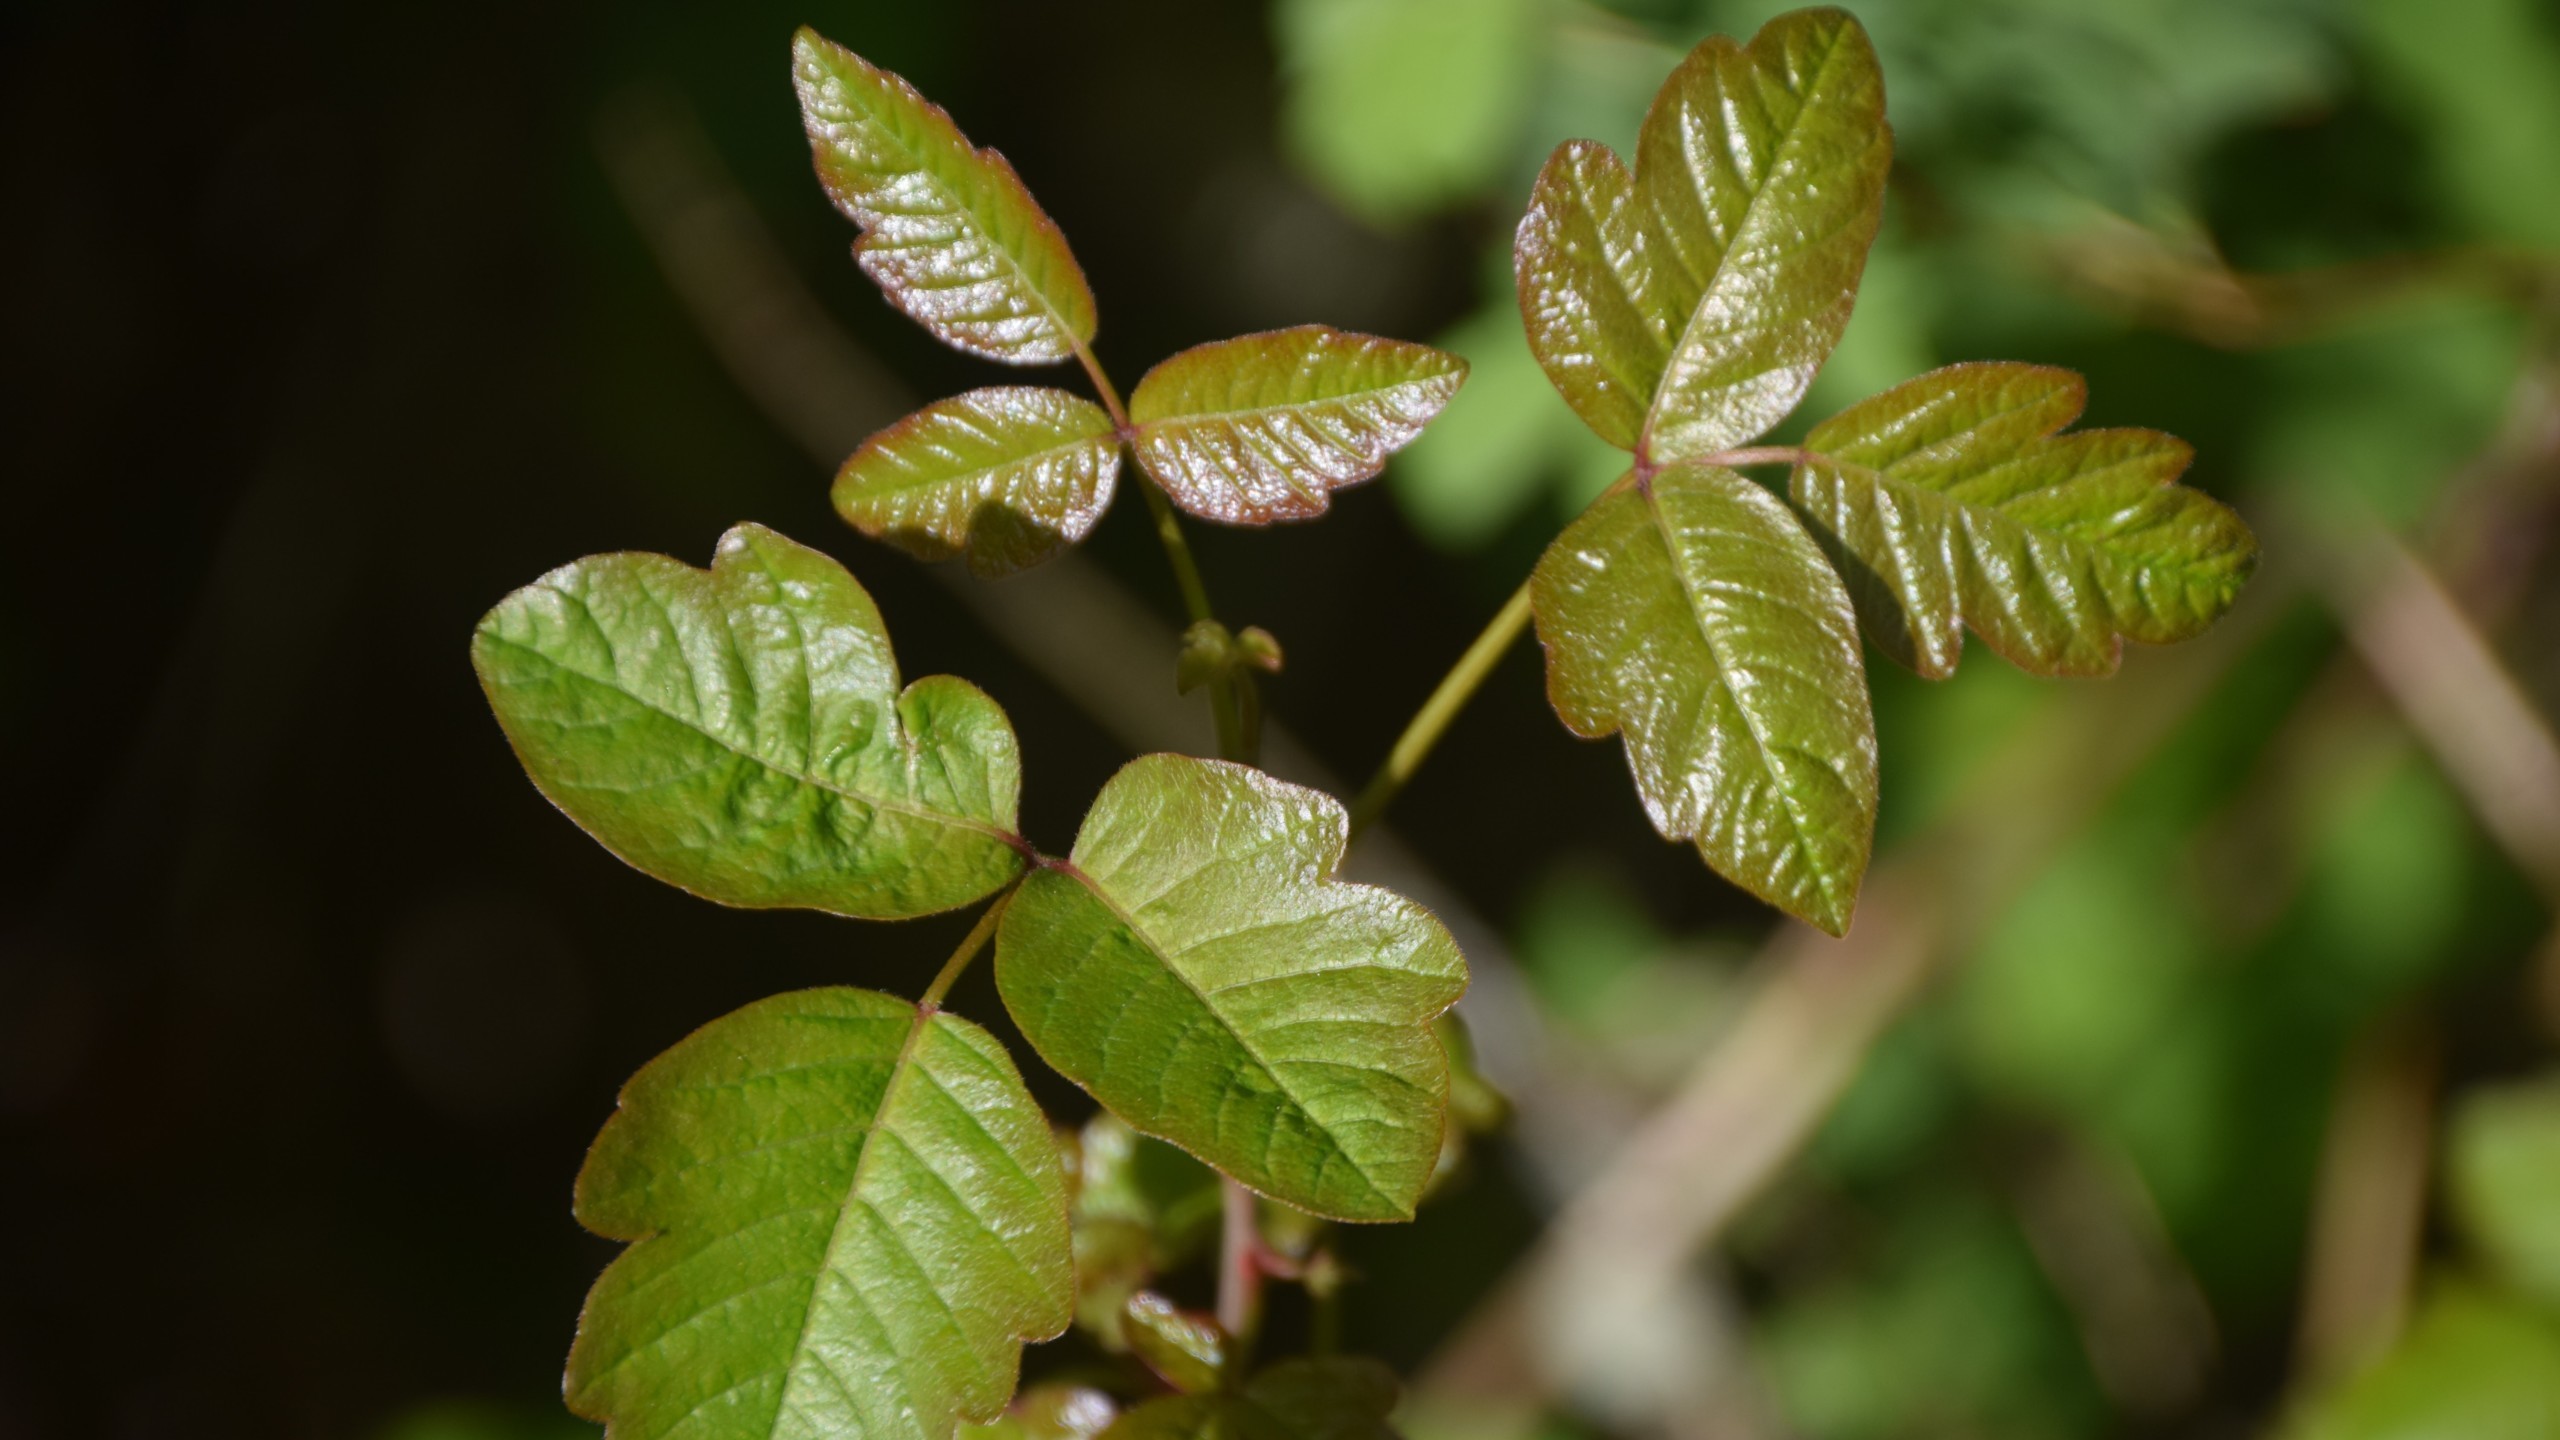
(846, 1217)
(949, 232)
(739, 732)
(1684, 308)
(1333, 1398)
(1951, 500)
(1008, 475)
(1050, 1412)
(1265, 427)
(1196, 967)
(1696, 615)
(1188, 1351)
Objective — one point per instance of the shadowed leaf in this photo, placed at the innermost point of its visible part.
(1950, 500)
(949, 233)
(1266, 427)
(1696, 615)
(1050, 1412)
(739, 732)
(1684, 307)
(1141, 1208)
(1008, 475)
(1336, 1398)
(847, 1216)
(1198, 970)
(1188, 1351)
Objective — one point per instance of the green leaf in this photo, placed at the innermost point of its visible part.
(1050, 1412)
(2472, 1365)
(2503, 1167)
(1684, 307)
(1401, 106)
(1009, 475)
(1195, 967)
(949, 232)
(740, 732)
(1265, 427)
(1695, 614)
(847, 1216)
(1141, 1208)
(1187, 1350)
(1951, 500)
(1336, 1398)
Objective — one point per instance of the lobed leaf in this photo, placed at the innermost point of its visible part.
(1952, 500)
(1008, 475)
(1694, 614)
(1683, 308)
(1266, 427)
(949, 232)
(1334, 1398)
(740, 733)
(847, 1216)
(1194, 965)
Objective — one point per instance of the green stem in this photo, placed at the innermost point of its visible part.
(1456, 689)
(1186, 571)
(970, 945)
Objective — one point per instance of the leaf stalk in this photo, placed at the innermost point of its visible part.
(1433, 719)
(970, 944)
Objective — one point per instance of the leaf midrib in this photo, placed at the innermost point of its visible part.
(1181, 419)
(1102, 442)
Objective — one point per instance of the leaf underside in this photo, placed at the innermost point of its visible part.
(1683, 307)
(949, 232)
(1332, 1398)
(847, 1217)
(1266, 427)
(1008, 475)
(1695, 615)
(1195, 967)
(1953, 500)
(739, 732)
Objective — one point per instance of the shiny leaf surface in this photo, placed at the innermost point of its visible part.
(1336, 1398)
(1050, 1412)
(1952, 500)
(1683, 307)
(1695, 615)
(846, 1214)
(949, 232)
(1007, 475)
(1141, 1208)
(1187, 1350)
(739, 732)
(1196, 968)
(1266, 427)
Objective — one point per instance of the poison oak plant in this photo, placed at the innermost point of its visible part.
(846, 1215)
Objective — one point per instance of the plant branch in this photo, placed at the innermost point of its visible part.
(1239, 1269)
(970, 945)
(1432, 720)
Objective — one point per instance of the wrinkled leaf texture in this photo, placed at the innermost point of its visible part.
(1266, 427)
(846, 1217)
(949, 232)
(740, 732)
(1683, 307)
(1008, 475)
(1332, 1398)
(1695, 615)
(1196, 968)
(1953, 500)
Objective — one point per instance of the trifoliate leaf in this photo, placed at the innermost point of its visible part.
(1952, 500)
(1265, 427)
(1336, 1398)
(1049, 1412)
(1187, 1350)
(949, 232)
(847, 1216)
(1194, 965)
(1684, 307)
(1696, 615)
(739, 732)
(1008, 475)
(2503, 1166)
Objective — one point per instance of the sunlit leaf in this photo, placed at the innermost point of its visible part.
(1265, 427)
(846, 1214)
(948, 231)
(1195, 966)
(1188, 1350)
(1007, 475)
(2503, 1166)
(739, 732)
(1336, 1398)
(1951, 500)
(1694, 614)
(1049, 1412)
(1684, 307)
(2472, 1364)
